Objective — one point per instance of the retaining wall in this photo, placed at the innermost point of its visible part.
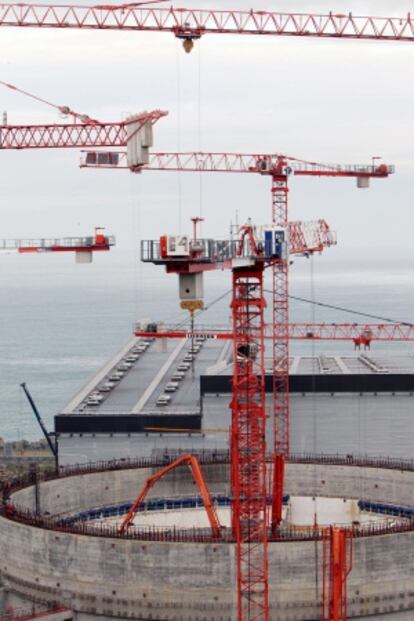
(196, 582)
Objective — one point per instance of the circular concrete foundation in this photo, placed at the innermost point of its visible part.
(181, 574)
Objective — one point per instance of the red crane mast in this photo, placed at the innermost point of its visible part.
(190, 24)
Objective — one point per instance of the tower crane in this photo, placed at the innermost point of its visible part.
(255, 249)
(190, 24)
(278, 167)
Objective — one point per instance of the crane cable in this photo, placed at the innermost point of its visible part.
(314, 420)
(178, 173)
(206, 308)
(200, 176)
(301, 299)
(349, 310)
(313, 302)
(64, 110)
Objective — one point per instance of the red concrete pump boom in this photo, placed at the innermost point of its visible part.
(199, 480)
(191, 24)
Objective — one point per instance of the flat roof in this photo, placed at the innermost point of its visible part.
(146, 378)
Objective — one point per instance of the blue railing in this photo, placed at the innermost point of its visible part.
(154, 504)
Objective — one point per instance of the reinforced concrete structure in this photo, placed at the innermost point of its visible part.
(56, 546)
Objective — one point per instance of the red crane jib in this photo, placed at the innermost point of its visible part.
(192, 23)
(305, 331)
(248, 163)
(77, 135)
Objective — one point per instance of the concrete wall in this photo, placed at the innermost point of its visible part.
(196, 582)
(74, 494)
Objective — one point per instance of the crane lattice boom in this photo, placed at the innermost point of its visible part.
(402, 332)
(78, 135)
(235, 162)
(193, 23)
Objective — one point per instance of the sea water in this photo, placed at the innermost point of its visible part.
(59, 322)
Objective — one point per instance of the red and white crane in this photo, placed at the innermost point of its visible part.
(249, 163)
(82, 246)
(247, 256)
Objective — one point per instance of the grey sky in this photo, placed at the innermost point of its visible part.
(335, 101)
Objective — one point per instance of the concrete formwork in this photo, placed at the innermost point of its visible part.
(196, 582)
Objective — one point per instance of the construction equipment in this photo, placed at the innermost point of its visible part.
(359, 334)
(52, 444)
(254, 249)
(83, 247)
(135, 132)
(190, 24)
(337, 565)
(250, 163)
(278, 167)
(192, 462)
(189, 263)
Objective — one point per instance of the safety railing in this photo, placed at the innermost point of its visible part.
(205, 457)
(52, 242)
(202, 250)
(196, 535)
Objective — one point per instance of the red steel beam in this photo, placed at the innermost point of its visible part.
(403, 332)
(193, 23)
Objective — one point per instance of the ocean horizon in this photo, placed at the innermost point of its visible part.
(60, 321)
